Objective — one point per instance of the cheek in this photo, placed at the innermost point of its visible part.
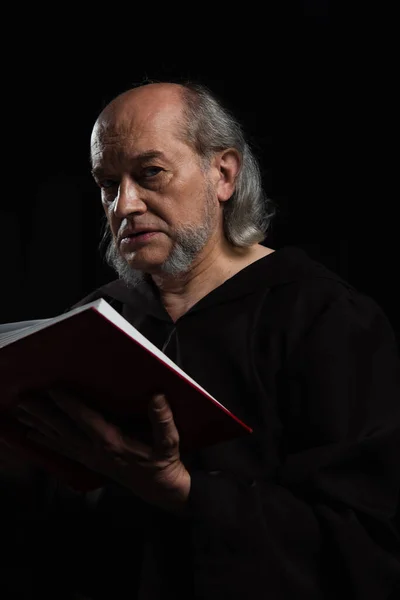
(112, 223)
(193, 206)
(106, 207)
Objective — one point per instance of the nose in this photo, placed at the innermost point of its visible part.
(128, 200)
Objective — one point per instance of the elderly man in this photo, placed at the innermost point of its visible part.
(303, 507)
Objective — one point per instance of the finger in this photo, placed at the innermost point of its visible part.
(89, 420)
(107, 435)
(137, 450)
(46, 418)
(165, 433)
(53, 444)
(31, 421)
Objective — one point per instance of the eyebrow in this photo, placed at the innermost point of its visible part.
(148, 155)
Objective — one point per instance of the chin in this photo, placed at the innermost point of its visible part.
(157, 259)
(140, 261)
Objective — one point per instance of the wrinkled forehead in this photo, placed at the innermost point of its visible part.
(108, 139)
(134, 133)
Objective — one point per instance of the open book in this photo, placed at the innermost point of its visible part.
(97, 354)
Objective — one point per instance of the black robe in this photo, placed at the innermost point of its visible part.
(302, 508)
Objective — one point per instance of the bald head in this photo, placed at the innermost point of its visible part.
(155, 96)
(157, 104)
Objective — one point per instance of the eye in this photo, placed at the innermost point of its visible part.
(107, 183)
(151, 171)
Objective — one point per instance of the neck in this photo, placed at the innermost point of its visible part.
(212, 267)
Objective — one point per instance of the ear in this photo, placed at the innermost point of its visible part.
(227, 166)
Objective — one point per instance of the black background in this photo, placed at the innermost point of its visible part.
(315, 100)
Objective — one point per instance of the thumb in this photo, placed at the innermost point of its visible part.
(165, 433)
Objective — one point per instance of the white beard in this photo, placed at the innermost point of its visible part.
(188, 243)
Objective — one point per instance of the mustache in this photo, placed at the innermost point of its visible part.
(108, 238)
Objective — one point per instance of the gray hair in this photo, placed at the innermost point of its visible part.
(210, 128)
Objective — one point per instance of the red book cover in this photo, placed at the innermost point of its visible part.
(94, 352)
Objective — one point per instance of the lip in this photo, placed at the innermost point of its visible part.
(141, 238)
(128, 233)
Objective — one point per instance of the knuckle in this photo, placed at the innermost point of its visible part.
(113, 442)
(170, 441)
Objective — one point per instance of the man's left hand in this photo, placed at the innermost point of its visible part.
(154, 473)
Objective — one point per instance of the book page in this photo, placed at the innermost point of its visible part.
(11, 328)
(29, 327)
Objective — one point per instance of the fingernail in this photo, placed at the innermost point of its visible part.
(159, 401)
